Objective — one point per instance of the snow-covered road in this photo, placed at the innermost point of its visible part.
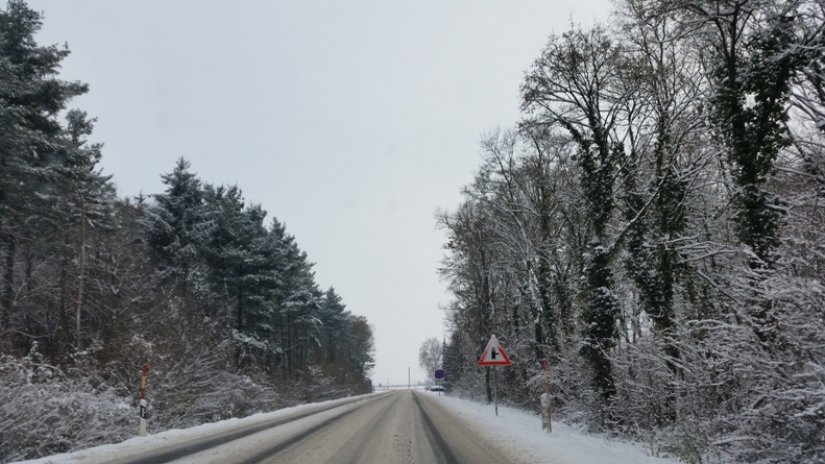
(394, 427)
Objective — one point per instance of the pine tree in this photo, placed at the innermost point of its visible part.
(242, 267)
(176, 226)
(334, 316)
(299, 303)
(88, 196)
(30, 96)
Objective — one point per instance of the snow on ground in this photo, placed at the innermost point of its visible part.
(156, 442)
(519, 433)
(515, 431)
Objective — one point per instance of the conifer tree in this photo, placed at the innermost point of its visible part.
(30, 97)
(88, 196)
(176, 227)
(334, 322)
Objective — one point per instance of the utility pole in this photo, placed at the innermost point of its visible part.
(409, 379)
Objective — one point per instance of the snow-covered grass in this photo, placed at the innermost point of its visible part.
(519, 433)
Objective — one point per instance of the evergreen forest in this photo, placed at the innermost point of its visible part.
(194, 280)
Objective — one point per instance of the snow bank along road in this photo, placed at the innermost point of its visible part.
(396, 427)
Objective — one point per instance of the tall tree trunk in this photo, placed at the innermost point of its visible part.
(81, 269)
(486, 321)
(239, 314)
(8, 283)
(24, 341)
(548, 317)
(545, 318)
(600, 322)
(64, 331)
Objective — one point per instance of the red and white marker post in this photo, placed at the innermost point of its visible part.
(545, 399)
(142, 411)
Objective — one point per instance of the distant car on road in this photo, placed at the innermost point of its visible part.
(436, 388)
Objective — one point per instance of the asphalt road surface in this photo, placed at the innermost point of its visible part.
(395, 428)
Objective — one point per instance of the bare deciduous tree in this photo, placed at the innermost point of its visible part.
(430, 356)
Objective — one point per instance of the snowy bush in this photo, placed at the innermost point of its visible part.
(44, 411)
(731, 396)
(191, 400)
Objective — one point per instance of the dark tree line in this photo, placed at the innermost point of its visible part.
(221, 303)
(653, 227)
(251, 279)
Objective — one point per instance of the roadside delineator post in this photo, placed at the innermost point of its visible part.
(545, 399)
(142, 411)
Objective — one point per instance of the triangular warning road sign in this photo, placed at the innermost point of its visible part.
(494, 354)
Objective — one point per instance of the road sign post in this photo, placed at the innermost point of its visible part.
(495, 389)
(439, 374)
(494, 355)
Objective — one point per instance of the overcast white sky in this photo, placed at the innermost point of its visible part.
(351, 121)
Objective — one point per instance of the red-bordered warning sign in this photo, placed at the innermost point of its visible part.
(494, 354)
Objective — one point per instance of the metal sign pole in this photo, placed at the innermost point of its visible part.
(495, 388)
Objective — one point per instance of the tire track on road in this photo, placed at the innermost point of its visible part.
(271, 454)
(273, 451)
(363, 441)
(437, 442)
(197, 446)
